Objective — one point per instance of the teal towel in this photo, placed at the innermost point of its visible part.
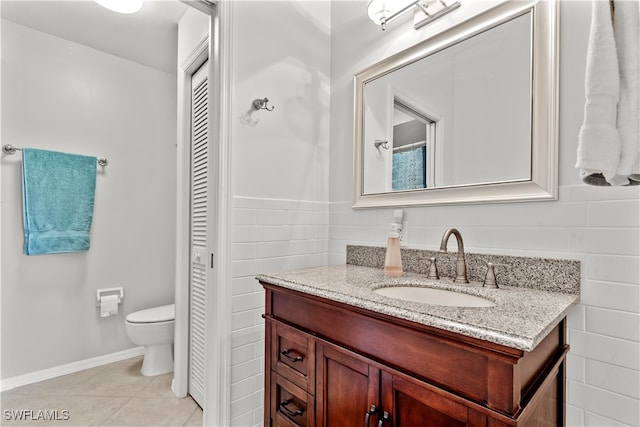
(58, 192)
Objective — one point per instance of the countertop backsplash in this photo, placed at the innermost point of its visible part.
(554, 275)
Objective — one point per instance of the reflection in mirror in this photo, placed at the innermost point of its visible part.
(413, 148)
(466, 116)
(481, 88)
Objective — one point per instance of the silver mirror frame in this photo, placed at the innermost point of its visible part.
(544, 124)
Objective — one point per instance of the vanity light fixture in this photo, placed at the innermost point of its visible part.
(121, 6)
(424, 11)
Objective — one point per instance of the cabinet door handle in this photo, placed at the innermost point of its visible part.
(285, 353)
(384, 419)
(288, 411)
(371, 411)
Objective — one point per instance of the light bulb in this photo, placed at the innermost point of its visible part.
(382, 11)
(121, 6)
(378, 10)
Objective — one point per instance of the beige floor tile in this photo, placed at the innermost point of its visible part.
(123, 379)
(116, 395)
(153, 411)
(65, 385)
(30, 410)
(160, 386)
(195, 420)
(12, 399)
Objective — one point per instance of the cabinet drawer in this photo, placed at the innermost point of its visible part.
(292, 355)
(291, 406)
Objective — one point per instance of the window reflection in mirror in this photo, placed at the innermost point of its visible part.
(414, 145)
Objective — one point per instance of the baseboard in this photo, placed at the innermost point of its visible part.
(69, 368)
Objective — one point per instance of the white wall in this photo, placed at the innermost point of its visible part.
(63, 96)
(281, 51)
(192, 28)
(599, 226)
(280, 169)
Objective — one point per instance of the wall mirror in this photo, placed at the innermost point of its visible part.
(466, 116)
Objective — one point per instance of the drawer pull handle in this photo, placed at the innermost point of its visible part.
(384, 419)
(284, 404)
(285, 353)
(368, 415)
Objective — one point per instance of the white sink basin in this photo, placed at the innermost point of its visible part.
(434, 296)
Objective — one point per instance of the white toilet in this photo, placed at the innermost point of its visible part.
(153, 328)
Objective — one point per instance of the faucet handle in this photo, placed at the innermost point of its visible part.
(433, 269)
(490, 279)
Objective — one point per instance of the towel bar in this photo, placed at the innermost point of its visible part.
(10, 149)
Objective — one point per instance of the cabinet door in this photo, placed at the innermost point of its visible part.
(412, 403)
(346, 388)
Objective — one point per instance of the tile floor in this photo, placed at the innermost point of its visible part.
(111, 395)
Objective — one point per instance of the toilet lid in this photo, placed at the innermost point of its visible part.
(156, 314)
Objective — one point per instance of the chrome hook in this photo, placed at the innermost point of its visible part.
(261, 104)
(257, 105)
(378, 143)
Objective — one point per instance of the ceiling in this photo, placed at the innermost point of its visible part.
(149, 37)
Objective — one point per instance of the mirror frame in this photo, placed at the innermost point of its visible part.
(543, 184)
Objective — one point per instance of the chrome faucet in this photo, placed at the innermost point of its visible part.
(461, 266)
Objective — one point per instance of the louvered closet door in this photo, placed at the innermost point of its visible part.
(200, 231)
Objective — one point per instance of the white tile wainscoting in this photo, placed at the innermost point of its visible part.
(267, 235)
(598, 226)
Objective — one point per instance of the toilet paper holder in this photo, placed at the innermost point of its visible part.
(119, 291)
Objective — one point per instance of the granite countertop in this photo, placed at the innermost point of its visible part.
(521, 318)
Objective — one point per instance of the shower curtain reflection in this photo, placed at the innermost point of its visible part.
(409, 170)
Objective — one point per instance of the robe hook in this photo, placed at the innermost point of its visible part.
(380, 143)
(261, 104)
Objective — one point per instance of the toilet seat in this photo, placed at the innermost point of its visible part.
(163, 313)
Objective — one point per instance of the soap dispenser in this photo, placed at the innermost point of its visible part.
(392, 259)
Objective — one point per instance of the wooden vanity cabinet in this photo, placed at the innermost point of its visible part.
(331, 364)
(346, 383)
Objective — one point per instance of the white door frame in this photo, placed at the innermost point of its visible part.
(217, 406)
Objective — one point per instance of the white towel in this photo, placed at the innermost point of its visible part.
(609, 140)
(626, 27)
